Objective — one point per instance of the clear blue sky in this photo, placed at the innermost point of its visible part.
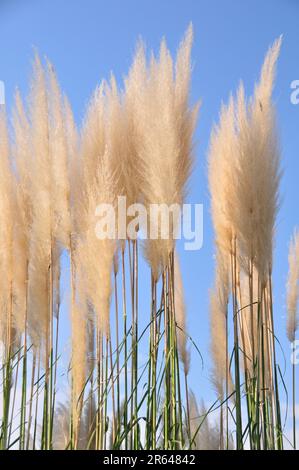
(86, 39)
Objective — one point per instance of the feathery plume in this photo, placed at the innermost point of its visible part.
(87, 433)
(165, 127)
(93, 134)
(132, 106)
(206, 435)
(249, 319)
(180, 315)
(255, 185)
(21, 242)
(75, 174)
(79, 359)
(61, 433)
(218, 313)
(100, 187)
(40, 230)
(6, 231)
(221, 166)
(116, 139)
(60, 191)
(59, 163)
(186, 116)
(244, 172)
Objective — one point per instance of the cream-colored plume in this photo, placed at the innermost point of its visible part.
(6, 235)
(222, 158)
(100, 187)
(23, 213)
(255, 186)
(40, 196)
(79, 359)
(133, 105)
(218, 316)
(248, 319)
(206, 435)
(180, 316)
(59, 163)
(164, 129)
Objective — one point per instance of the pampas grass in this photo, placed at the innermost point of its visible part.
(244, 176)
(6, 265)
(218, 312)
(180, 315)
(168, 134)
(207, 435)
(6, 208)
(137, 142)
(40, 195)
(21, 151)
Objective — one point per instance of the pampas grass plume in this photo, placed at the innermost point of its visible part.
(180, 315)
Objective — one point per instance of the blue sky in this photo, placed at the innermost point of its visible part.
(87, 39)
